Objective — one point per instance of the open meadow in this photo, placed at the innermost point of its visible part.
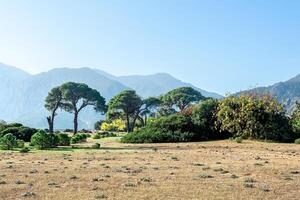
(202, 170)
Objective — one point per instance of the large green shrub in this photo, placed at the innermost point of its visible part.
(255, 117)
(42, 140)
(8, 142)
(20, 132)
(173, 128)
(64, 139)
(79, 137)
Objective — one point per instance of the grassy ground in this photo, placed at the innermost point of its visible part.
(207, 170)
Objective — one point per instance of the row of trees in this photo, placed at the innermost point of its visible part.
(246, 116)
(127, 105)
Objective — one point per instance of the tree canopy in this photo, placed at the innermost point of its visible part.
(181, 97)
(77, 96)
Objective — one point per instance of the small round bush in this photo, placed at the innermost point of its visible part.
(20, 143)
(97, 136)
(297, 141)
(80, 137)
(54, 140)
(96, 146)
(24, 150)
(239, 140)
(64, 139)
(42, 140)
(8, 142)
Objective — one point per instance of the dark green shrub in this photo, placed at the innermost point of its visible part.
(42, 140)
(238, 139)
(96, 146)
(24, 150)
(64, 139)
(12, 130)
(173, 128)
(54, 139)
(25, 133)
(80, 137)
(20, 132)
(104, 134)
(8, 142)
(20, 143)
(297, 141)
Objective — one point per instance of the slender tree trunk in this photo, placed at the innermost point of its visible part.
(128, 123)
(75, 122)
(145, 122)
(50, 123)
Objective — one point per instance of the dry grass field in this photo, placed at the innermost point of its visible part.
(207, 170)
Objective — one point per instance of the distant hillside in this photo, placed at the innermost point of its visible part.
(157, 84)
(27, 103)
(287, 93)
(22, 95)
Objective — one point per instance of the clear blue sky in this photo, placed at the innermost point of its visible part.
(218, 45)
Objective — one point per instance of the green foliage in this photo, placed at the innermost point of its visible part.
(8, 142)
(73, 93)
(18, 130)
(254, 117)
(24, 150)
(97, 125)
(20, 143)
(64, 139)
(103, 134)
(43, 140)
(204, 117)
(80, 137)
(238, 139)
(126, 104)
(295, 119)
(96, 146)
(297, 141)
(181, 97)
(173, 128)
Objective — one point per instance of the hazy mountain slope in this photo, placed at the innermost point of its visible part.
(27, 106)
(22, 95)
(287, 92)
(157, 84)
(10, 77)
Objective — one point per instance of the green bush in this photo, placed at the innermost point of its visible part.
(64, 139)
(20, 143)
(297, 141)
(24, 150)
(96, 146)
(238, 139)
(42, 140)
(173, 128)
(79, 137)
(8, 142)
(104, 134)
(254, 117)
(20, 132)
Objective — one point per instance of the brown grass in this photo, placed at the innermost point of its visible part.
(208, 170)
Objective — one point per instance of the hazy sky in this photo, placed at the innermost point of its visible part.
(222, 45)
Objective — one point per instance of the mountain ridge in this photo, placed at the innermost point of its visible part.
(23, 94)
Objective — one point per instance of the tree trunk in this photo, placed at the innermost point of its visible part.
(50, 123)
(75, 122)
(145, 122)
(128, 123)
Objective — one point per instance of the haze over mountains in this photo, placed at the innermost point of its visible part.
(22, 95)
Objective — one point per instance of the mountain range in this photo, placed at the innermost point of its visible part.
(22, 94)
(287, 93)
